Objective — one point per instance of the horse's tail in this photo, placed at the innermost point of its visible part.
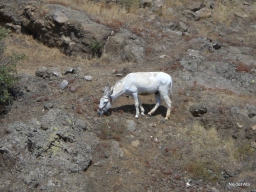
(170, 90)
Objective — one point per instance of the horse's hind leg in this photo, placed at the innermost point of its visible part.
(169, 105)
(141, 107)
(158, 102)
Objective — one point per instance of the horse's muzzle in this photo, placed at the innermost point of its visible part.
(100, 112)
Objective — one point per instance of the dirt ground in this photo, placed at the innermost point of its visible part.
(183, 153)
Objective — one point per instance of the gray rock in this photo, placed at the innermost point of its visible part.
(183, 27)
(80, 124)
(157, 7)
(121, 46)
(74, 88)
(189, 64)
(69, 70)
(131, 125)
(116, 150)
(135, 143)
(198, 110)
(59, 17)
(35, 156)
(213, 189)
(242, 15)
(54, 71)
(48, 72)
(44, 125)
(202, 13)
(48, 105)
(66, 40)
(88, 78)
(40, 72)
(64, 84)
(195, 6)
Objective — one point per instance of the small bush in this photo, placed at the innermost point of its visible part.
(96, 48)
(3, 32)
(8, 76)
(8, 73)
(205, 170)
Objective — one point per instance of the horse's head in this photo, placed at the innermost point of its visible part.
(105, 101)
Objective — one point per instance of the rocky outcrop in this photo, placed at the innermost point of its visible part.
(43, 149)
(124, 46)
(72, 31)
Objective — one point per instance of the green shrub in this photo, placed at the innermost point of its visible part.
(8, 73)
(8, 76)
(96, 48)
(3, 32)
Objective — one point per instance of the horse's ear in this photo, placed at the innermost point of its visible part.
(107, 89)
(110, 92)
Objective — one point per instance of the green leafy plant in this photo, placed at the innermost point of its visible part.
(96, 48)
(3, 32)
(8, 72)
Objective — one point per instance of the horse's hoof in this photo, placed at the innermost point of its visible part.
(136, 116)
(142, 114)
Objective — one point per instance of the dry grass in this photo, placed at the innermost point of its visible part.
(224, 13)
(39, 55)
(102, 11)
(204, 153)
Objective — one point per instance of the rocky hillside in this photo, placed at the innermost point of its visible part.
(51, 136)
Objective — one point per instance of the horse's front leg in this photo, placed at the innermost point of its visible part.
(136, 103)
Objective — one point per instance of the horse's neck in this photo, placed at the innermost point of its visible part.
(117, 91)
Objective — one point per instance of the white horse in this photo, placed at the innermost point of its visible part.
(140, 83)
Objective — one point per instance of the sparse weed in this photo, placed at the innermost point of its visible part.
(3, 33)
(63, 3)
(129, 4)
(204, 153)
(243, 151)
(208, 170)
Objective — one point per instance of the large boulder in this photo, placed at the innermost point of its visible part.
(44, 150)
(124, 46)
(70, 30)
